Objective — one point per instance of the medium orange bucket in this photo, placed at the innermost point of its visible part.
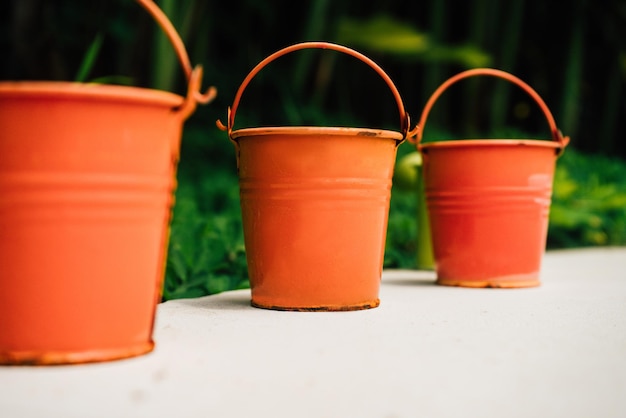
(314, 220)
(488, 200)
(87, 174)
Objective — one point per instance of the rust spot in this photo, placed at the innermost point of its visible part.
(56, 358)
(321, 308)
(493, 284)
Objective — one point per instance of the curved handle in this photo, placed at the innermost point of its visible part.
(556, 134)
(404, 117)
(194, 76)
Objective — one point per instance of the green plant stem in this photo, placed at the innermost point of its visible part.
(478, 18)
(165, 62)
(573, 73)
(434, 70)
(607, 132)
(508, 56)
(425, 258)
(89, 59)
(315, 28)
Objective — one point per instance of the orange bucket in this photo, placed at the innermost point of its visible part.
(87, 174)
(488, 200)
(315, 223)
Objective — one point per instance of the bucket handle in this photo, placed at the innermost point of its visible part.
(404, 116)
(194, 76)
(557, 136)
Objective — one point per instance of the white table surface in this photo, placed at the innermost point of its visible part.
(558, 350)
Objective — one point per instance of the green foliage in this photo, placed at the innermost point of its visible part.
(419, 45)
(401, 244)
(589, 201)
(206, 250)
(383, 34)
(400, 247)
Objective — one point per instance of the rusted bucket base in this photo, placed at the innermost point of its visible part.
(509, 282)
(60, 358)
(321, 308)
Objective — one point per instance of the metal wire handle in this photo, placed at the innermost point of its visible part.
(404, 117)
(556, 134)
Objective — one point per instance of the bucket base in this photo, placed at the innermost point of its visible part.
(507, 283)
(58, 358)
(321, 308)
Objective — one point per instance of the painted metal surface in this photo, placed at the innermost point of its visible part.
(87, 175)
(315, 205)
(489, 200)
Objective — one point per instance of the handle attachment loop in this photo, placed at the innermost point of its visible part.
(193, 75)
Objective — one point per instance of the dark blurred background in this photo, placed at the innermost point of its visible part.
(573, 54)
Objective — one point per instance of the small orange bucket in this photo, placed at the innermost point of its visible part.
(87, 174)
(488, 200)
(314, 220)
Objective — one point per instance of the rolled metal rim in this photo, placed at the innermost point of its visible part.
(75, 90)
(471, 143)
(317, 131)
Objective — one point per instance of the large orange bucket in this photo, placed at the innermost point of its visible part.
(87, 174)
(315, 204)
(488, 200)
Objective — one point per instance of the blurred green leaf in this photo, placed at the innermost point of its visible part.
(89, 59)
(588, 202)
(383, 34)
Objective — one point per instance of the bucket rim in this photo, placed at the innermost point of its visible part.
(318, 130)
(459, 143)
(76, 90)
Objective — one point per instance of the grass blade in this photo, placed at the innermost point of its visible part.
(89, 59)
